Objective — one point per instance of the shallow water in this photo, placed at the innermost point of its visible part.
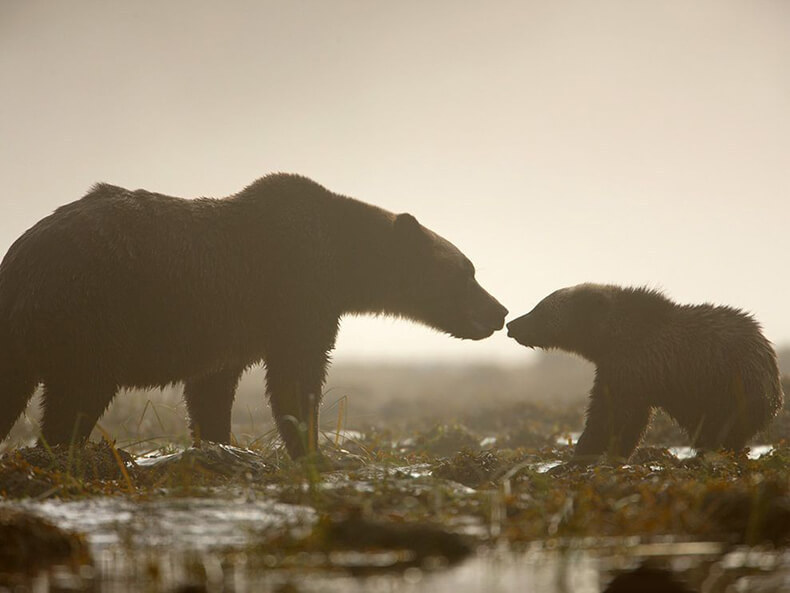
(220, 544)
(159, 546)
(188, 524)
(223, 540)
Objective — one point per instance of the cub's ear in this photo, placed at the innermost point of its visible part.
(593, 302)
(407, 226)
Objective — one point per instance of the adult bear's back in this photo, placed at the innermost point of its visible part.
(121, 272)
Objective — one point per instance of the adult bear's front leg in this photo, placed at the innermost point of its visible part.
(294, 387)
(209, 401)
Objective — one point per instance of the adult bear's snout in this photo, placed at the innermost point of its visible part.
(484, 316)
(496, 313)
(500, 313)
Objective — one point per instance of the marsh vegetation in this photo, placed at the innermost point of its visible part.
(436, 479)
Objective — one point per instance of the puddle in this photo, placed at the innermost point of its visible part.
(545, 466)
(573, 567)
(190, 524)
(164, 544)
(682, 452)
(758, 451)
(754, 452)
(701, 566)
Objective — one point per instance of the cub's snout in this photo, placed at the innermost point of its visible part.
(519, 330)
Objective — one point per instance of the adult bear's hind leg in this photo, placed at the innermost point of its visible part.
(209, 402)
(16, 389)
(71, 410)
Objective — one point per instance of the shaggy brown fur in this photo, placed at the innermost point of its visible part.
(135, 289)
(709, 367)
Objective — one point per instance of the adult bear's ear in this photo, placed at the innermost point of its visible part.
(406, 226)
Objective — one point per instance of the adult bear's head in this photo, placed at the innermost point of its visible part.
(435, 284)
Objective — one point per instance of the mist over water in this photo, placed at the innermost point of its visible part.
(554, 144)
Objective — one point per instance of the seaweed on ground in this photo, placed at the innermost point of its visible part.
(439, 491)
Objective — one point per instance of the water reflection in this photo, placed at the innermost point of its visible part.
(186, 559)
(186, 524)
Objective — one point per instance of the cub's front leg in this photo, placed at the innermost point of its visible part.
(615, 423)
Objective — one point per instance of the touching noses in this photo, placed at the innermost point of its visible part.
(501, 314)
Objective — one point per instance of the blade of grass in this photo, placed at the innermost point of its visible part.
(118, 459)
(341, 417)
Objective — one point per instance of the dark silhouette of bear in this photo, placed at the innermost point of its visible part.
(136, 289)
(709, 367)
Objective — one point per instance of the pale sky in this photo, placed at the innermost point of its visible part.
(553, 142)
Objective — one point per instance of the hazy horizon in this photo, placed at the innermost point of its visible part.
(554, 143)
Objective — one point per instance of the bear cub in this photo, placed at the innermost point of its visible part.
(708, 366)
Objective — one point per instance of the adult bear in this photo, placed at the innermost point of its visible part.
(136, 289)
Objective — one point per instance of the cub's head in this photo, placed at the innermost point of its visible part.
(591, 319)
(574, 319)
(435, 285)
